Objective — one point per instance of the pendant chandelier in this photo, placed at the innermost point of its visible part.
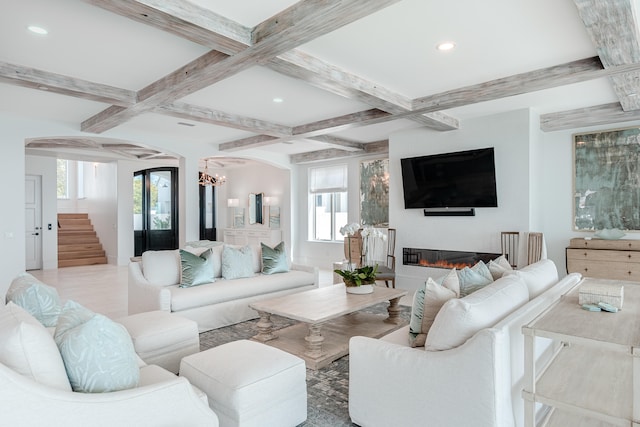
(207, 179)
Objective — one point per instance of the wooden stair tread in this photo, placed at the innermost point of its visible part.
(81, 254)
(81, 261)
(78, 243)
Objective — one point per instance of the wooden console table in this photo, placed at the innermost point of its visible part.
(594, 378)
(605, 259)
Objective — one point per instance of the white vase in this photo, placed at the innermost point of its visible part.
(362, 289)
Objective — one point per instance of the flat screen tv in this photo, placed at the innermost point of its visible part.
(464, 179)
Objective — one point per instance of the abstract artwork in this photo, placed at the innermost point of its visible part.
(606, 184)
(374, 192)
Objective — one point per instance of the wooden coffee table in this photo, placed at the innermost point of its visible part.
(330, 317)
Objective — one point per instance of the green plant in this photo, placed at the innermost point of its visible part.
(365, 275)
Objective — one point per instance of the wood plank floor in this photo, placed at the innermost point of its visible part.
(103, 288)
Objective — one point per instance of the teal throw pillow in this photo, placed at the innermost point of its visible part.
(237, 262)
(97, 352)
(196, 269)
(474, 278)
(39, 300)
(274, 260)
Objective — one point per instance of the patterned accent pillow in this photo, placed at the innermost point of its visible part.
(196, 269)
(474, 278)
(98, 353)
(427, 302)
(39, 300)
(237, 262)
(274, 260)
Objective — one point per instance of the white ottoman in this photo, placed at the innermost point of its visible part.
(161, 338)
(250, 384)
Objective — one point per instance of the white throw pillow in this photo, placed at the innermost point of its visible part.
(28, 348)
(98, 353)
(161, 268)
(538, 276)
(460, 319)
(427, 301)
(499, 266)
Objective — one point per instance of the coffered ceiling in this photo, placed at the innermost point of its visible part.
(348, 73)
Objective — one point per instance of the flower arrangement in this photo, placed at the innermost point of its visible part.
(365, 274)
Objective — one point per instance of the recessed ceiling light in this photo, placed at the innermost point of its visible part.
(445, 46)
(37, 30)
(278, 100)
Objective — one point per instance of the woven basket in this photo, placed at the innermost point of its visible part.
(594, 293)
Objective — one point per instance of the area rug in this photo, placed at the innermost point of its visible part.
(327, 388)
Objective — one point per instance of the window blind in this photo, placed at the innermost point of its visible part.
(328, 179)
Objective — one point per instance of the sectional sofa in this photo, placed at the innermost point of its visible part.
(471, 371)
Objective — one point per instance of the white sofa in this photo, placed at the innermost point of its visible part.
(153, 285)
(477, 383)
(34, 390)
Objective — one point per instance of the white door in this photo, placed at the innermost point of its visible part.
(33, 221)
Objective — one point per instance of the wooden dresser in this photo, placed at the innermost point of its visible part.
(605, 259)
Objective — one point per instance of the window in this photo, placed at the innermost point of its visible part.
(328, 200)
(63, 179)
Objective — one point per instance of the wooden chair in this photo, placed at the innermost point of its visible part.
(388, 272)
(534, 248)
(510, 241)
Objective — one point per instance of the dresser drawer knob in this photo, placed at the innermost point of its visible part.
(585, 254)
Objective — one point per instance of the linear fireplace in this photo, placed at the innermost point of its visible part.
(437, 258)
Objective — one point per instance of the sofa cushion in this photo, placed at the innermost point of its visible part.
(28, 348)
(237, 262)
(460, 319)
(227, 290)
(474, 278)
(274, 260)
(538, 276)
(427, 301)
(196, 269)
(97, 352)
(161, 268)
(38, 299)
(499, 266)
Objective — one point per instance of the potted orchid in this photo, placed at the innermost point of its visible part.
(357, 279)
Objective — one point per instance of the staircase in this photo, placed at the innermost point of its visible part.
(78, 243)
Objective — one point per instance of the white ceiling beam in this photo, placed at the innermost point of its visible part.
(613, 28)
(606, 114)
(214, 117)
(57, 83)
(184, 19)
(303, 22)
(201, 26)
(378, 147)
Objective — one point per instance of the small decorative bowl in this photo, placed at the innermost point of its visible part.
(609, 234)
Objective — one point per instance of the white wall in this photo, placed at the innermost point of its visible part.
(556, 178)
(257, 178)
(323, 254)
(101, 203)
(509, 135)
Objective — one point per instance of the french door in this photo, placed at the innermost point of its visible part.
(155, 209)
